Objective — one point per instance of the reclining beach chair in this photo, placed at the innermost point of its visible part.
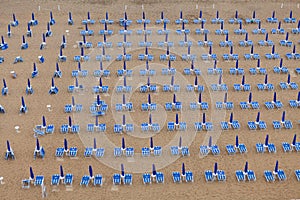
(123, 128)
(76, 87)
(171, 87)
(297, 29)
(199, 104)
(70, 127)
(167, 56)
(209, 56)
(70, 19)
(149, 126)
(272, 55)
(295, 103)
(260, 148)
(257, 123)
(124, 106)
(73, 107)
(210, 148)
(148, 87)
(232, 149)
(105, 31)
(98, 107)
(246, 42)
(147, 71)
(206, 126)
(188, 56)
(251, 55)
(44, 128)
(216, 174)
(217, 19)
(173, 126)
(241, 30)
(14, 22)
(250, 103)
(288, 84)
(215, 70)
(272, 19)
(241, 175)
(231, 55)
(202, 30)
(287, 124)
(162, 19)
(87, 32)
(290, 19)
(84, 43)
(149, 105)
(146, 56)
(205, 42)
(220, 86)
(151, 150)
(271, 176)
(259, 30)
(103, 57)
(163, 31)
(79, 72)
(61, 57)
(174, 105)
(222, 31)
(243, 86)
(279, 30)
(177, 150)
(122, 178)
(185, 42)
(106, 20)
(82, 56)
(226, 43)
(192, 70)
(225, 104)
(286, 42)
(170, 70)
(100, 88)
(234, 124)
(281, 68)
(266, 42)
(124, 88)
(253, 19)
(143, 20)
(165, 43)
(88, 20)
(105, 43)
(125, 21)
(236, 19)
(181, 20)
(275, 103)
(258, 69)
(9, 154)
(23, 108)
(200, 19)
(124, 56)
(265, 86)
(186, 176)
(183, 30)
(33, 21)
(293, 55)
(96, 127)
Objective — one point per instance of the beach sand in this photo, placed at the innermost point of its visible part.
(23, 143)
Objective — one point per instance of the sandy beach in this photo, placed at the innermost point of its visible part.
(23, 141)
